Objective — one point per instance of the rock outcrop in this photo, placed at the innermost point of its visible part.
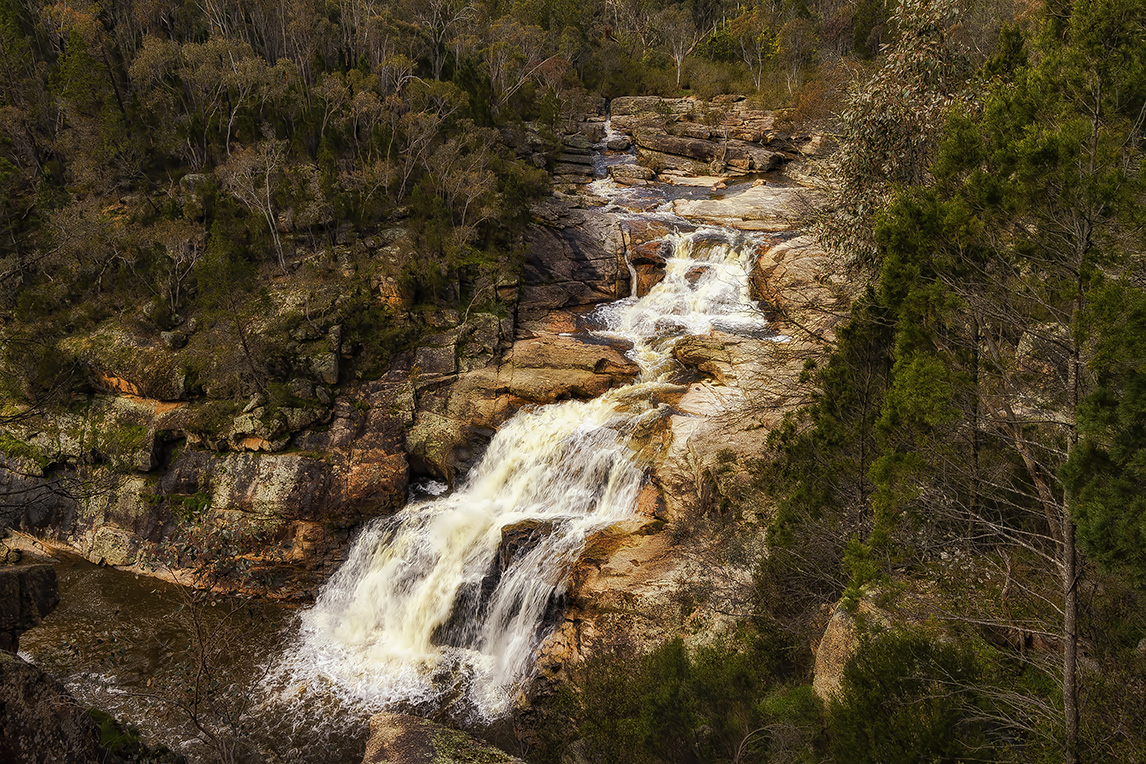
(724, 136)
(574, 260)
(28, 592)
(40, 723)
(758, 208)
(403, 739)
(151, 485)
(840, 642)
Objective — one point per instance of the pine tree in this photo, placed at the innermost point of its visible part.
(993, 275)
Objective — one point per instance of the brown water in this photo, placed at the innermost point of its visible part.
(124, 643)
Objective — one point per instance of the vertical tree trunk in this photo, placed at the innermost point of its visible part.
(1070, 571)
(1070, 639)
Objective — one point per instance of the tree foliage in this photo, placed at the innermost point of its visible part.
(1001, 245)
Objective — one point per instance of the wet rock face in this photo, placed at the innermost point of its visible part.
(404, 739)
(27, 594)
(648, 261)
(457, 416)
(569, 265)
(472, 603)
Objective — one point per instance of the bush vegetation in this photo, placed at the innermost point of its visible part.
(739, 699)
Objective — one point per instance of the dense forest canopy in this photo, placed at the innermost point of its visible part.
(173, 150)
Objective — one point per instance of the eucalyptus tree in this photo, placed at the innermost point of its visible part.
(675, 27)
(892, 122)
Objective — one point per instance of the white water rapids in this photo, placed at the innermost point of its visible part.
(445, 604)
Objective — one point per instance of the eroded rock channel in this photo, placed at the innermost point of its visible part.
(560, 456)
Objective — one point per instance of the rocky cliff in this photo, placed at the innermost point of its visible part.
(293, 474)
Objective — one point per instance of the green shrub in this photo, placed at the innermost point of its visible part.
(115, 738)
(733, 700)
(904, 699)
(14, 448)
(190, 508)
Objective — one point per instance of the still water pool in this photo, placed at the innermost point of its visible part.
(128, 644)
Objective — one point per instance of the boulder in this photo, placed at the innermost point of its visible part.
(630, 173)
(445, 447)
(593, 131)
(708, 355)
(405, 739)
(734, 153)
(27, 594)
(545, 385)
(194, 190)
(839, 643)
(693, 148)
(569, 353)
(572, 176)
(648, 262)
(653, 253)
(112, 546)
(174, 340)
(687, 129)
(360, 472)
(575, 261)
(667, 164)
(572, 157)
(40, 723)
(635, 105)
(517, 540)
(551, 368)
(120, 429)
(793, 278)
(577, 141)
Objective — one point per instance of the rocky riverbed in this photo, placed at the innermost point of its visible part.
(307, 474)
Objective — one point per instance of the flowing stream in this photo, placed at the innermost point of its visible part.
(445, 604)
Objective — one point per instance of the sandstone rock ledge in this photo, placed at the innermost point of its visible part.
(404, 739)
(759, 208)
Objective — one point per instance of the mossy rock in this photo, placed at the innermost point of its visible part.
(403, 739)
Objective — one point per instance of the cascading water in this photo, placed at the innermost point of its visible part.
(446, 603)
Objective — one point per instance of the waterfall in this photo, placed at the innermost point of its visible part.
(446, 602)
